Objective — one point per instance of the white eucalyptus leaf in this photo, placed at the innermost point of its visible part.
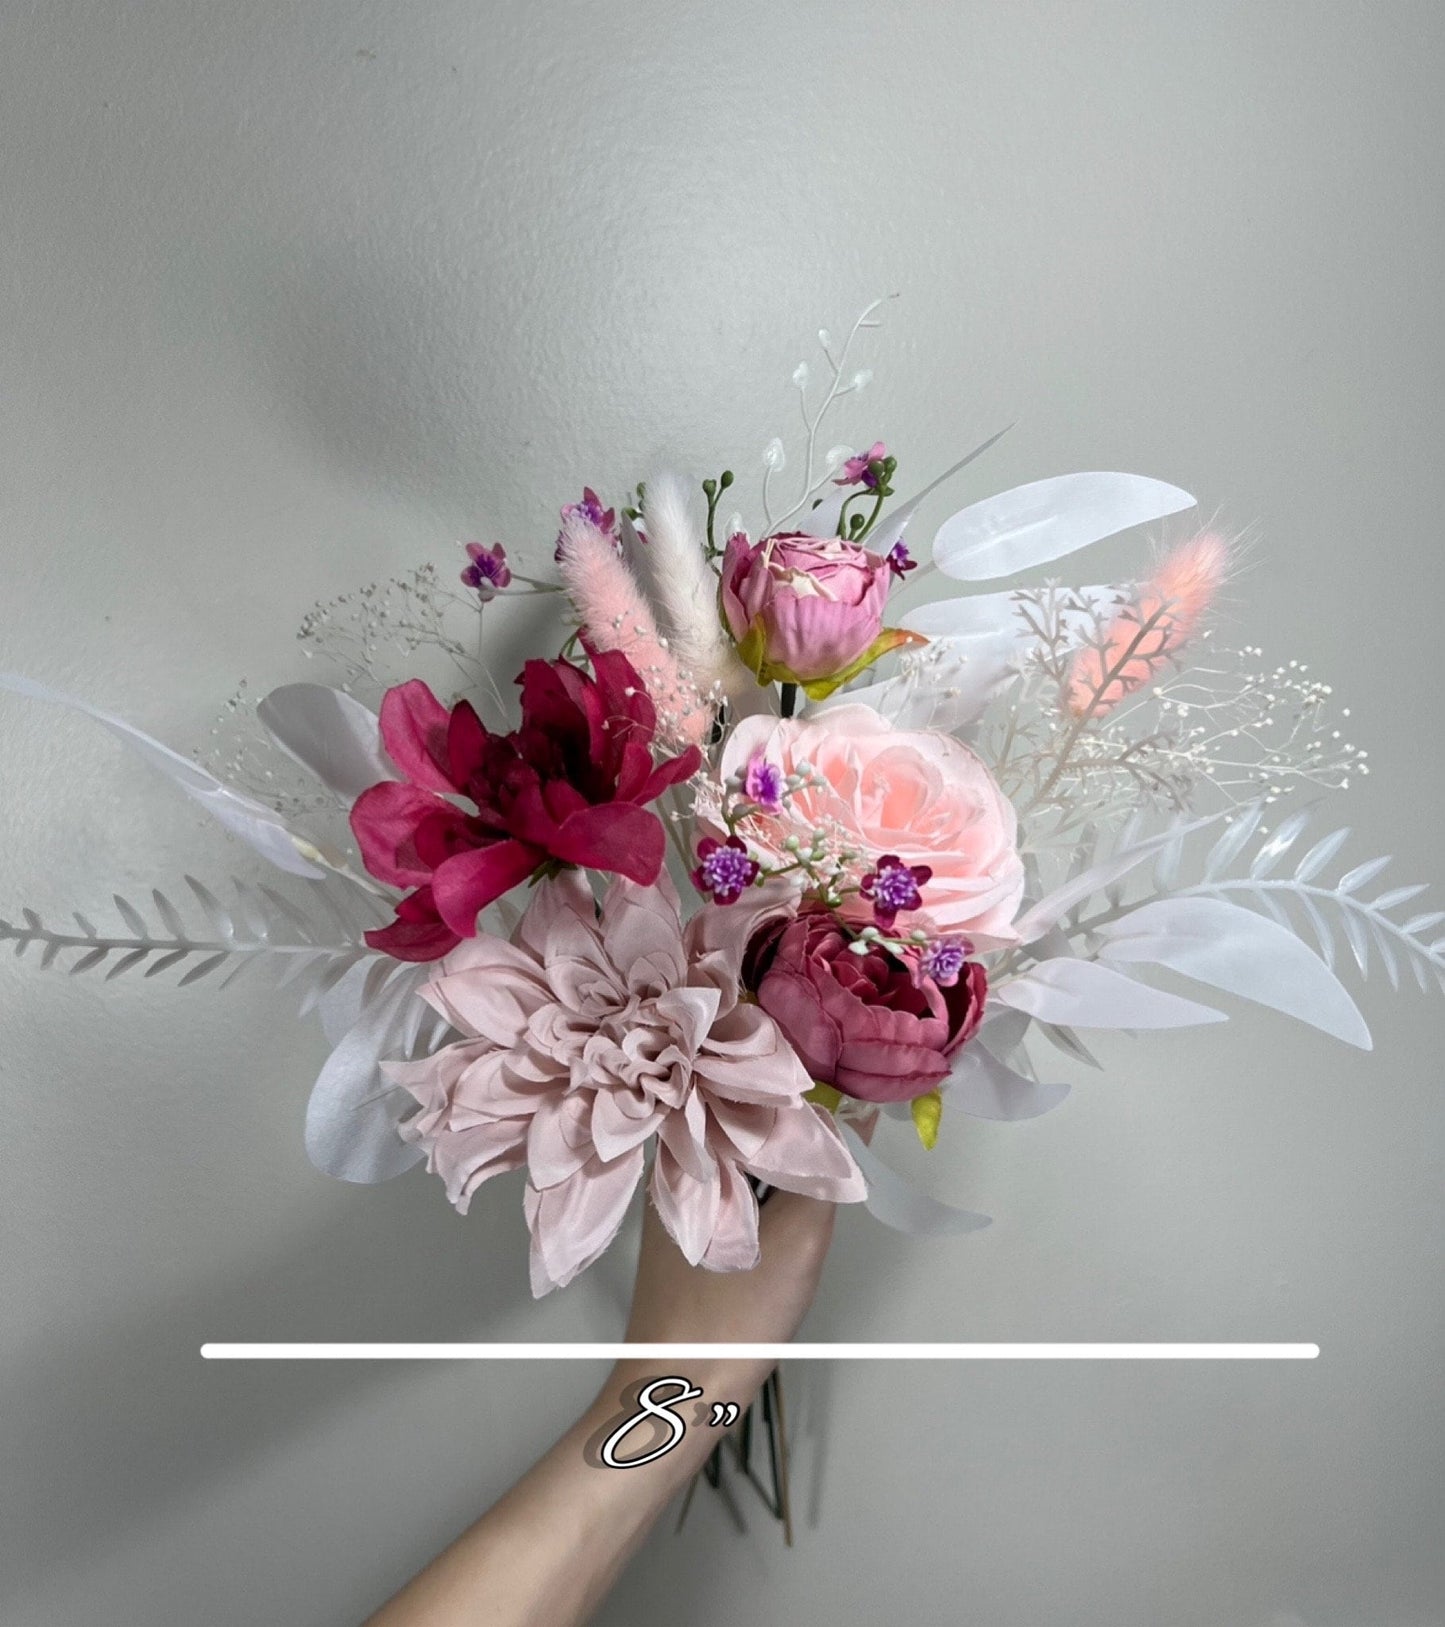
(1035, 524)
(985, 1088)
(1320, 854)
(353, 1113)
(1050, 910)
(1354, 879)
(1285, 835)
(1083, 994)
(1231, 843)
(330, 733)
(1397, 896)
(898, 1203)
(203, 969)
(1234, 949)
(134, 920)
(169, 915)
(218, 917)
(260, 827)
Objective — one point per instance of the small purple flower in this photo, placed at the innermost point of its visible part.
(724, 869)
(488, 572)
(590, 509)
(893, 886)
(943, 960)
(900, 561)
(764, 784)
(863, 469)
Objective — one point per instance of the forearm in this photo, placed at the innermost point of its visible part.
(550, 1549)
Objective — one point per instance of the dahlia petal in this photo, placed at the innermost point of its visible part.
(573, 1222)
(805, 1153)
(493, 994)
(559, 1142)
(621, 1121)
(691, 1013)
(687, 1206)
(734, 1242)
(468, 882)
(745, 1126)
(466, 1158)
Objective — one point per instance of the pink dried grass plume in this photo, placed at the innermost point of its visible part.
(1144, 636)
(617, 616)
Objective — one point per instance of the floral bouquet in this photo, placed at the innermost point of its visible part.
(757, 854)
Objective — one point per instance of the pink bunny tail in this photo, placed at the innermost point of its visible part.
(617, 616)
(1144, 636)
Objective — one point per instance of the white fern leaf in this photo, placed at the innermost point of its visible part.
(1286, 835)
(1320, 854)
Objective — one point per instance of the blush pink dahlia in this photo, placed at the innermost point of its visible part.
(569, 786)
(586, 1037)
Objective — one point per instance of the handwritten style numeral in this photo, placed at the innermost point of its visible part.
(685, 1391)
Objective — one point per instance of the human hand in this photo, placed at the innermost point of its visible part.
(674, 1302)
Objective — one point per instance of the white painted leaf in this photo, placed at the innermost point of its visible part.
(1050, 910)
(353, 1114)
(1398, 895)
(1231, 843)
(1286, 834)
(1320, 854)
(1236, 950)
(1083, 994)
(1047, 519)
(899, 1204)
(985, 1088)
(1356, 878)
(330, 733)
(260, 827)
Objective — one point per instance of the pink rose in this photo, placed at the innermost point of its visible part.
(861, 1023)
(919, 795)
(802, 608)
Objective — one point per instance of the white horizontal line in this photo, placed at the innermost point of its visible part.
(759, 1352)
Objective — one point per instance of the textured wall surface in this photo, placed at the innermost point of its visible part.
(295, 295)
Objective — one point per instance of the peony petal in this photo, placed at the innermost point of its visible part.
(466, 883)
(384, 821)
(414, 730)
(616, 837)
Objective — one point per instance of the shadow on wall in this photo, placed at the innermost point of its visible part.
(101, 1435)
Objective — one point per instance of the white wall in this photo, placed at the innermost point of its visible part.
(293, 296)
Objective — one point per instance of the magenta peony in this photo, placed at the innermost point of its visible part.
(587, 1037)
(569, 786)
(869, 1025)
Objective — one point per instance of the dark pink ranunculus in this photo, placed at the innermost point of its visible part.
(865, 1024)
(570, 785)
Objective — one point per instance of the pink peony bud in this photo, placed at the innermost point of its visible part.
(803, 608)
